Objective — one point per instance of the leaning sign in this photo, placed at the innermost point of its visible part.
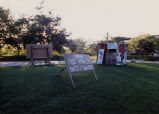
(78, 63)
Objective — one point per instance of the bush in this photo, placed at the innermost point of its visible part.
(143, 57)
(151, 58)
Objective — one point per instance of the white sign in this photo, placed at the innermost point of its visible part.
(121, 55)
(78, 63)
(112, 45)
(100, 56)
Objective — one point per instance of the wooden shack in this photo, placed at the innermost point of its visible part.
(112, 53)
(39, 52)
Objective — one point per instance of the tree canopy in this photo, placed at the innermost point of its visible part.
(77, 45)
(144, 44)
(37, 29)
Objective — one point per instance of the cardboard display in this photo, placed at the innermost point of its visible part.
(114, 53)
(34, 51)
(78, 63)
(100, 56)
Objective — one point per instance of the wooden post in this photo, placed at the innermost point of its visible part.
(95, 75)
(72, 80)
(60, 71)
(32, 60)
(107, 56)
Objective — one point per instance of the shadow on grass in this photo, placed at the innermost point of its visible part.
(23, 58)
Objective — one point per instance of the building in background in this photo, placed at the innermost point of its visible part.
(112, 53)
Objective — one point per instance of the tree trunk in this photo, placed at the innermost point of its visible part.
(18, 51)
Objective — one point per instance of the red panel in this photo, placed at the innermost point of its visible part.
(122, 48)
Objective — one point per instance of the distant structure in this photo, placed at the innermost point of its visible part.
(112, 53)
(126, 40)
(38, 52)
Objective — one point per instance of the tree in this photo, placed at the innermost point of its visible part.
(132, 45)
(156, 41)
(77, 45)
(92, 48)
(5, 25)
(9, 34)
(44, 29)
(144, 44)
(38, 29)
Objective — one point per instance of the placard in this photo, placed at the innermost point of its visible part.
(112, 45)
(34, 51)
(121, 54)
(78, 62)
(100, 56)
(42, 51)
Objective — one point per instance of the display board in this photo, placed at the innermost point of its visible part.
(114, 53)
(34, 51)
(112, 45)
(121, 54)
(100, 56)
(78, 63)
(38, 51)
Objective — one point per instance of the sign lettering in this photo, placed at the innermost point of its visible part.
(78, 62)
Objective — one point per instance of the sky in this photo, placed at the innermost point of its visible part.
(92, 19)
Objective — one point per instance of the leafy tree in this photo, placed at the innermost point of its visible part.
(44, 29)
(132, 45)
(77, 45)
(144, 44)
(92, 48)
(156, 42)
(38, 29)
(9, 34)
(5, 26)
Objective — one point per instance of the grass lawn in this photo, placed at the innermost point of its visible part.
(133, 88)
(143, 57)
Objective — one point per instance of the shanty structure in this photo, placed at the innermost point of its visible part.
(112, 53)
(38, 52)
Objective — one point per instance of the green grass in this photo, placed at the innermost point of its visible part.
(143, 57)
(133, 88)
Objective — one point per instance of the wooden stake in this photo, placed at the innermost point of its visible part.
(60, 71)
(107, 55)
(32, 62)
(95, 75)
(72, 80)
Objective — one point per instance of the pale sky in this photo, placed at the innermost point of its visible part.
(92, 19)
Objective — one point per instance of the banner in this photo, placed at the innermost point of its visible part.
(100, 56)
(112, 45)
(121, 54)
